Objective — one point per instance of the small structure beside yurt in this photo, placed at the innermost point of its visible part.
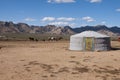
(90, 41)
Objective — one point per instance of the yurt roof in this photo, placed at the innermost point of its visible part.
(89, 34)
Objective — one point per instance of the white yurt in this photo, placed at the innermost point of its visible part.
(90, 41)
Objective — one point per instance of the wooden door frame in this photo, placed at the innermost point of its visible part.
(84, 43)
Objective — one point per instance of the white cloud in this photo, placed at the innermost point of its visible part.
(61, 1)
(66, 19)
(58, 19)
(95, 1)
(59, 23)
(103, 22)
(118, 10)
(62, 23)
(48, 19)
(29, 19)
(88, 19)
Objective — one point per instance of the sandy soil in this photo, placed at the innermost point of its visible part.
(23, 60)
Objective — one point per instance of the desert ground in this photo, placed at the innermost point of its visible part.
(27, 60)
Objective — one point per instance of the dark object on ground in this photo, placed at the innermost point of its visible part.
(0, 47)
(119, 39)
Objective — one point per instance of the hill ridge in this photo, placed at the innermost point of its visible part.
(10, 27)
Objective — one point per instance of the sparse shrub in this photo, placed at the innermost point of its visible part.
(36, 40)
(114, 38)
(31, 39)
(43, 39)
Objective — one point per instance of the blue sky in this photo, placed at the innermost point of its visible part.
(75, 13)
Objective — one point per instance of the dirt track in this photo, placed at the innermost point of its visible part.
(22, 60)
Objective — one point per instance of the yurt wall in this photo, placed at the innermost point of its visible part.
(102, 44)
(76, 43)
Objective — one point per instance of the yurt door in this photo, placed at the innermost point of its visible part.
(88, 43)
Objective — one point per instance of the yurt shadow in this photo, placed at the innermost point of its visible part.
(114, 48)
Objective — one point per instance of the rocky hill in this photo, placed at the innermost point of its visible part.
(10, 27)
(110, 31)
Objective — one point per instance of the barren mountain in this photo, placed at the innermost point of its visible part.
(10, 27)
(110, 31)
